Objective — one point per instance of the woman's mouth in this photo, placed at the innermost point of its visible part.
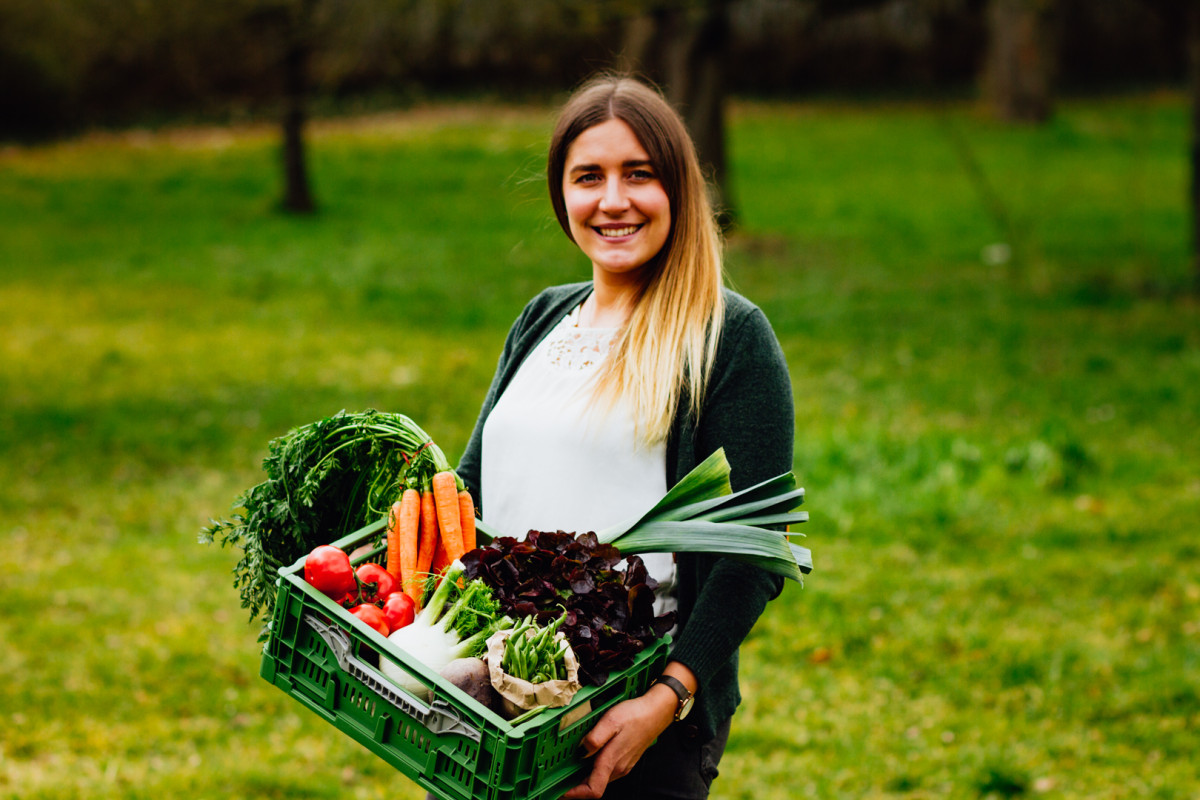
(616, 233)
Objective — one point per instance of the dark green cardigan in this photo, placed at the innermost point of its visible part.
(748, 411)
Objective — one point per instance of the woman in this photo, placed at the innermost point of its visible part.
(610, 391)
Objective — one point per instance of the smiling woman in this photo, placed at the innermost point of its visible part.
(669, 304)
(608, 392)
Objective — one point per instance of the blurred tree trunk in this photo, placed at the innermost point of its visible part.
(297, 196)
(683, 47)
(1018, 72)
(1193, 48)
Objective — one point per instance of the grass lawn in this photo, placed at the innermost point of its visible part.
(997, 380)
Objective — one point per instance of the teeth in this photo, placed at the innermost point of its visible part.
(615, 232)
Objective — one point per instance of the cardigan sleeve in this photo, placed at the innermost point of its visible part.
(748, 411)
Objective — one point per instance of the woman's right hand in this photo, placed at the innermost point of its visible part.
(621, 737)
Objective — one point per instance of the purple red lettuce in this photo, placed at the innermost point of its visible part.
(610, 611)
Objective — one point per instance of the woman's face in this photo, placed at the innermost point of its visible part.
(616, 205)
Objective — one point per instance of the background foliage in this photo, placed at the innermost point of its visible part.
(995, 419)
(71, 64)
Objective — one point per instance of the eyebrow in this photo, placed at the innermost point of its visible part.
(645, 162)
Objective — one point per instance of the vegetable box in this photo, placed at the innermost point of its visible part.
(448, 743)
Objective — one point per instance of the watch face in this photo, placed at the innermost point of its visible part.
(686, 698)
(685, 708)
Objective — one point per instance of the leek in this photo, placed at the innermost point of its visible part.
(702, 514)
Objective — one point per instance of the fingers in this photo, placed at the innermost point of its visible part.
(599, 736)
(602, 769)
(618, 741)
(586, 791)
(603, 773)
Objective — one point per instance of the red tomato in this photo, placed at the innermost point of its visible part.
(385, 582)
(372, 616)
(328, 569)
(399, 610)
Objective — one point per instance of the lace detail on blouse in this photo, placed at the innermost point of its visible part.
(574, 349)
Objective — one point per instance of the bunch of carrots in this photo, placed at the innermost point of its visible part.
(429, 527)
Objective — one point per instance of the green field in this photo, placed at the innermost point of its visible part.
(1001, 456)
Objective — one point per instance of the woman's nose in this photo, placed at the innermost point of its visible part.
(614, 199)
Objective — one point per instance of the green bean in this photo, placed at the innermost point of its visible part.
(534, 653)
(522, 661)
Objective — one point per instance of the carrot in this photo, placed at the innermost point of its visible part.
(445, 497)
(428, 544)
(393, 540)
(407, 538)
(440, 559)
(466, 516)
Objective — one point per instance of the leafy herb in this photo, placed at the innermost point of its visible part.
(446, 629)
(324, 480)
(477, 613)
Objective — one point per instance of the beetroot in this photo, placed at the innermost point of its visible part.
(472, 676)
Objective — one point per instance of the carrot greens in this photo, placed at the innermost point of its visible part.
(324, 480)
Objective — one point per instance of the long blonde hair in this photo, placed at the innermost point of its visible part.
(664, 354)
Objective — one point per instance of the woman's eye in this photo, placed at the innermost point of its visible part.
(642, 175)
(587, 177)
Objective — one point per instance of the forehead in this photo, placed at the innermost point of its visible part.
(612, 141)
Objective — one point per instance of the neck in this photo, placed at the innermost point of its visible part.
(610, 303)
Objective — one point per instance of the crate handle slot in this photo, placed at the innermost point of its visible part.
(439, 717)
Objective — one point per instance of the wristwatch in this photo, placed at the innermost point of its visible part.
(686, 698)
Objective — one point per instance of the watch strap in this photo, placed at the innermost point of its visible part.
(681, 692)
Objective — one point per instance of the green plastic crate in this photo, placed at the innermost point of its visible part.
(452, 746)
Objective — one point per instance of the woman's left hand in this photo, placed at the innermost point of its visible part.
(621, 736)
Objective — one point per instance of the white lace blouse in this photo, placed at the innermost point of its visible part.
(549, 462)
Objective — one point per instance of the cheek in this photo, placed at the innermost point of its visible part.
(578, 209)
(656, 204)
(664, 221)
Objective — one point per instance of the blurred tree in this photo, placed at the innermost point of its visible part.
(1193, 46)
(32, 79)
(294, 20)
(299, 32)
(682, 46)
(1019, 68)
